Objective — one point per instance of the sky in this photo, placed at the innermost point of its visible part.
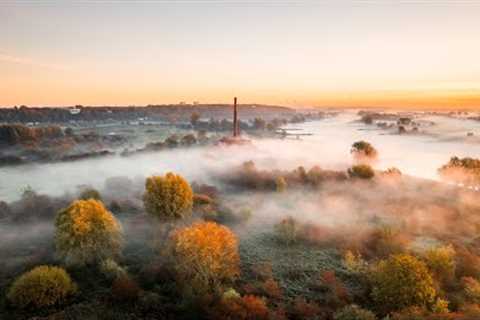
(417, 54)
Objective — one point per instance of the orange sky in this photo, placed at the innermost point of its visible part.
(296, 53)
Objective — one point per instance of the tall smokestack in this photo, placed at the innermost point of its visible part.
(235, 118)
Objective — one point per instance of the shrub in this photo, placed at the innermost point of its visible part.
(402, 281)
(41, 287)
(280, 184)
(233, 307)
(361, 171)
(87, 233)
(354, 312)
(471, 287)
(205, 256)
(384, 241)
(287, 230)
(90, 193)
(354, 262)
(335, 292)
(303, 309)
(124, 289)
(111, 270)
(441, 262)
(465, 170)
(168, 197)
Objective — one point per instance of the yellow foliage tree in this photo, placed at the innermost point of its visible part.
(205, 256)
(402, 281)
(40, 287)
(86, 232)
(168, 197)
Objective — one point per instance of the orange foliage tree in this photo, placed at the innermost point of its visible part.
(86, 232)
(168, 197)
(205, 256)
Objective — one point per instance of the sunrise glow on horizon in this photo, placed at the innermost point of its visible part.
(408, 54)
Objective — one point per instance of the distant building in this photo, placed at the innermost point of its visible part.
(75, 110)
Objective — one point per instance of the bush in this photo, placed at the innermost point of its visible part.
(471, 287)
(111, 270)
(441, 262)
(385, 241)
(287, 230)
(234, 307)
(87, 233)
(41, 287)
(168, 197)
(354, 312)
(361, 171)
(90, 193)
(280, 184)
(402, 281)
(124, 289)
(205, 257)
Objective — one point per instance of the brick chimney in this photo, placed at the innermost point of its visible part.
(236, 131)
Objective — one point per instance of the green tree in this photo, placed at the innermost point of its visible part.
(168, 197)
(86, 232)
(402, 281)
(363, 150)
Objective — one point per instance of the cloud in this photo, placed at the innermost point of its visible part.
(30, 62)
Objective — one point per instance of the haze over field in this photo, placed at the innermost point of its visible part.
(328, 147)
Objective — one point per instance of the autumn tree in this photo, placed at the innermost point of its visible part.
(41, 287)
(86, 232)
(168, 197)
(402, 281)
(205, 257)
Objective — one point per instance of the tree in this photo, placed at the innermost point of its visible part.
(205, 257)
(86, 232)
(168, 197)
(188, 140)
(363, 150)
(259, 124)
(194, 118)
(41, 287)
(402, 281)
(361, 171)
(287, 230)
(90, 193)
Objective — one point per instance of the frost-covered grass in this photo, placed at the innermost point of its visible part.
(296, 267)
